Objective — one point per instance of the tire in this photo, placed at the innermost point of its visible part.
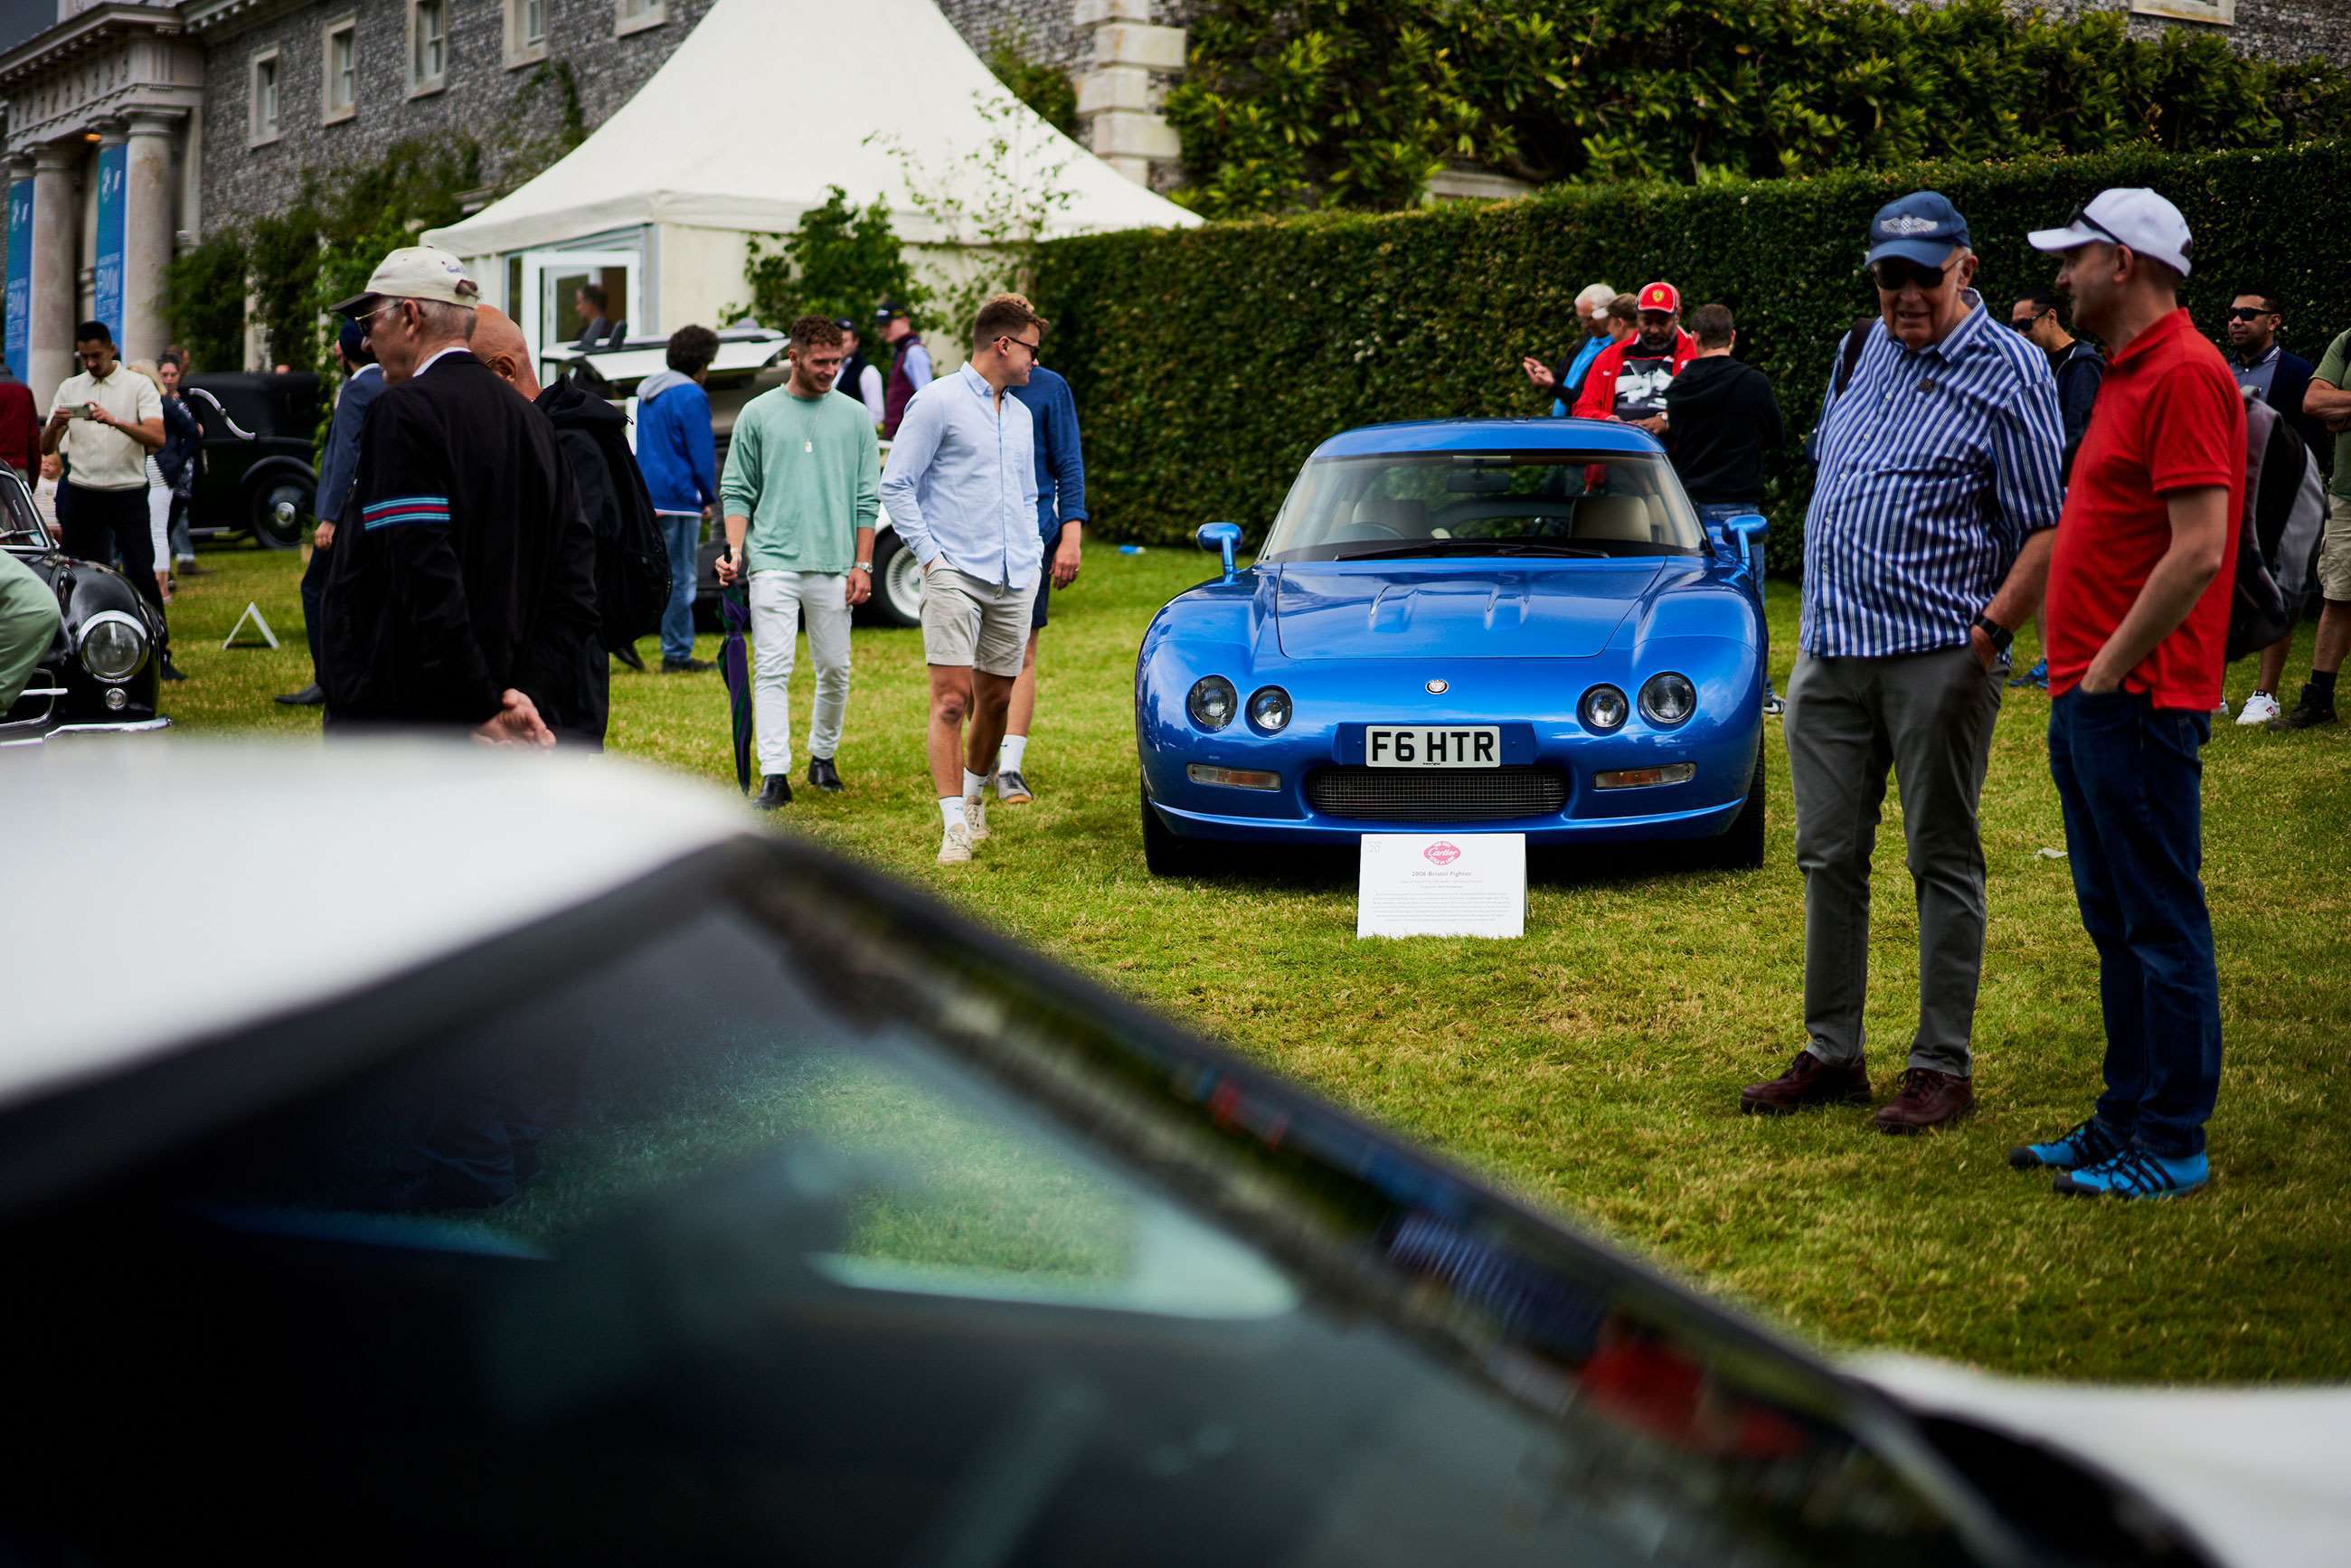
(897, 583)
(1741, 847)
(1163, 851)
(270, 530)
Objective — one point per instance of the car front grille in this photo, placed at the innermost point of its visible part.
(1437, 794)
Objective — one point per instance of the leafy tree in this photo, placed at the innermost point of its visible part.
(1293, 103)
(1047, 89)
(841, 260)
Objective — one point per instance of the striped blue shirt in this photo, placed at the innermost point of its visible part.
(1936, 465)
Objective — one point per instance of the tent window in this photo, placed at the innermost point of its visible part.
(525, 32)
(428, 45)
(630, 15)
(340, 89)
(264, 127)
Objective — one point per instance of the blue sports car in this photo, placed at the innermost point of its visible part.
(1458, 627)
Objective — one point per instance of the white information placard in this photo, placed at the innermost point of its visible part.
(1442, 884)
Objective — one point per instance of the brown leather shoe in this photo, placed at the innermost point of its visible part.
(1926, 1099)
(1809, 1081)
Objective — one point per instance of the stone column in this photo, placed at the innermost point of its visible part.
(147, 214)
(1118, 98)
(57, 236)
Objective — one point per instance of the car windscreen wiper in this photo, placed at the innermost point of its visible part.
(1480, 546)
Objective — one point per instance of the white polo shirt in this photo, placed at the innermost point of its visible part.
(97, 458)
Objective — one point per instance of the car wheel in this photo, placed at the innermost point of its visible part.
(1740, 848)
(897, 583)
(1163, 851)
(280, 511)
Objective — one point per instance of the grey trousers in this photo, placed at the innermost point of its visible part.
(1928, 717)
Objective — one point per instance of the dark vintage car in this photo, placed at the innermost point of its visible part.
(610, 1180)
(99, 674)
(260, 433)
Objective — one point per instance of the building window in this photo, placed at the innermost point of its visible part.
(428, 45)
(263, 126)
(2222, 10)
(338, 93)
(634, 16)
(525, 32)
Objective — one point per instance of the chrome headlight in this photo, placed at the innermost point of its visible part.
(1213, 702)
(1605, 708)
(113, 645)
(1668, 699)
(1269, 709)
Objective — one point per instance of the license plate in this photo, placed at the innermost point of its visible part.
(1432, 745)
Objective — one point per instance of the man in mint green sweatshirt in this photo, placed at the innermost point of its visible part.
(800, 491)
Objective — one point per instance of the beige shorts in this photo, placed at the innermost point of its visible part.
(970, 624)
(2334, 555)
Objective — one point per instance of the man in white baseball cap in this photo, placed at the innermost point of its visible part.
(419, 296)
(2138, 615)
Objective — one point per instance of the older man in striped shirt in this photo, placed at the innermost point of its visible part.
(1926, 545)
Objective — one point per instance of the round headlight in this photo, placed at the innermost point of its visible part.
(1605, 708)
(1269, 708)
(1213, 702)
(113, 645)
(1668, 699)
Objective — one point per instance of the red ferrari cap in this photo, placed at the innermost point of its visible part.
(1661, 297)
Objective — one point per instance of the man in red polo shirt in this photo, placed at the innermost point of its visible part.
(2139, 611)
(1628, 380)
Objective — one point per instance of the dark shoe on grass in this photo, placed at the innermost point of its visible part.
(2135, 1173)
(685, 666)
(627, 654)
(2311, 711)
(824, 775)
(173, 671)
(310, 695)
(1927, 1100)
(2077, 1149)
(1809, 1081)
(776, 791)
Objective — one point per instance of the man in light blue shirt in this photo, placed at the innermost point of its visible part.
(961, 491)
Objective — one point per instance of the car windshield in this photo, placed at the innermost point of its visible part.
(1436, 503)
(20, 521)
(777, 1224)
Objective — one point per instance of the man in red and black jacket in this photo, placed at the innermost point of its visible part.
(1628, 380)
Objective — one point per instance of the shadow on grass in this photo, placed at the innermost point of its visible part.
(1314, 870)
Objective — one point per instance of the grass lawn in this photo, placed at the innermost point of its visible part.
(1594, 1065)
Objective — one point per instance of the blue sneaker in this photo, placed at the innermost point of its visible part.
(2036, 676)
(2084, 1147)
(2135, 1173)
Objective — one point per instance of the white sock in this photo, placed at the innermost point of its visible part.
(973, 783)
(1007, 759)
(951, 808)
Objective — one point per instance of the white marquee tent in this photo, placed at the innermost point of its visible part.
(735, 136)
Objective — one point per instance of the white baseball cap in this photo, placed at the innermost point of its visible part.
(2130, 216)
(417, 272)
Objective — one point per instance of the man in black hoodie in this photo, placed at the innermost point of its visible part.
(1720, 419)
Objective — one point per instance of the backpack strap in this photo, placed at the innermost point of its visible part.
(1855, 339)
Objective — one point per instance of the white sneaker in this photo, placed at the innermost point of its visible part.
(955, 847)
(2259, 708)
(975, 816)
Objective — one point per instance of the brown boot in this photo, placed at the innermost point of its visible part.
(1926, 1099)
(1809, 1081)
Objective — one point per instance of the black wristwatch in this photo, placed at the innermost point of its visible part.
(2001, 635)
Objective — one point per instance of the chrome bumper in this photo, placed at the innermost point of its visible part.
(128, 726)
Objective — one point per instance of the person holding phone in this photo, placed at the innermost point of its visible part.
(105, 421)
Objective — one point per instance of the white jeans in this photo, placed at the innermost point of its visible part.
(782, 603)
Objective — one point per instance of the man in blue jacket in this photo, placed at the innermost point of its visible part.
(679, 458)
(1060, 521)
(362, 379)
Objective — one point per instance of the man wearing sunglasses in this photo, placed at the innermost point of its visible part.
(2040, 317)
(1925, 548)
(2272, 374)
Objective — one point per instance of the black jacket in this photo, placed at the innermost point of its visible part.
(1721, 418)
(463, 565)
(593, 436)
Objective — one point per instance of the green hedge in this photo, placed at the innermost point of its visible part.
(1207, 363)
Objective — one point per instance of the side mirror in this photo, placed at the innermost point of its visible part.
(1751, 529)
(1224, 539)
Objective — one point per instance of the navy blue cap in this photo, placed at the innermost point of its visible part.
(352, 337)
(888, 309)
(1922, 226)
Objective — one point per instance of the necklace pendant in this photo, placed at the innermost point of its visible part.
(807, 446)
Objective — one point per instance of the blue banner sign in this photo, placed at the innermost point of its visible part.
(113, 166)
(18, 349)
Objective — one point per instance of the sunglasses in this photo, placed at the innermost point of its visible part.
(2027, 323)
(1896, 273)
(2240, 313)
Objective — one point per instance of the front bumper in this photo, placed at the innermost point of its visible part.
(126, 726)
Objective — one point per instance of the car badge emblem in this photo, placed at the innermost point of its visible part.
(1441, 853)
(1439, 687)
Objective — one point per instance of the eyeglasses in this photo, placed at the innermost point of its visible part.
(2082, 219)
(1895, 274)
(2240, 313)
(2026, 323)
(1025, 343)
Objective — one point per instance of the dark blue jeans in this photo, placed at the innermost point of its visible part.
(683, 535)
(2130, 779)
